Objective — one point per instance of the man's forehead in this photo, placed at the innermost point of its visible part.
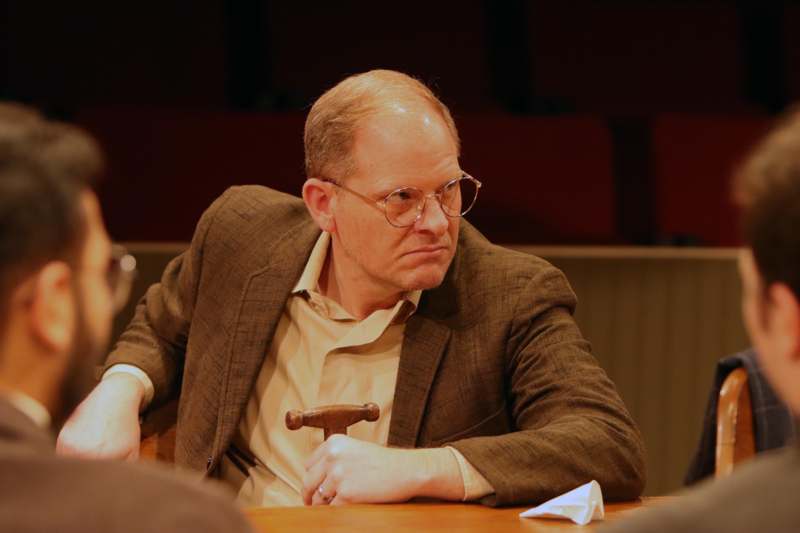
(401, 117)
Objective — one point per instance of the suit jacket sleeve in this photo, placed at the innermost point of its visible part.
(155, 340)
(570, 424)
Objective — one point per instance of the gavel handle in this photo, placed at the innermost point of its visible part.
(341, 430)
(332, 418)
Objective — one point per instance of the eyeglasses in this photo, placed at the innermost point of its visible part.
(404, 206)
(120, 275)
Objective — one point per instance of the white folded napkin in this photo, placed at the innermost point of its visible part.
(581, 505)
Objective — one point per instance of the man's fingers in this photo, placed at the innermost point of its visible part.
(316, 455)
(322, 496)
(312, 479)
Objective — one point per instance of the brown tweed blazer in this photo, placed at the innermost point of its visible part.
(42, 492)
(492, 362)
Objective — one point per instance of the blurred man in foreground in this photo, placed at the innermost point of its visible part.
(60, 282)
(761, 495)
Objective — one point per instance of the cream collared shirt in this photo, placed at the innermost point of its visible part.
(31, 408)
(320, 355)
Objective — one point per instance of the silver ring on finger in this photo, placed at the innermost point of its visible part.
(324, 496)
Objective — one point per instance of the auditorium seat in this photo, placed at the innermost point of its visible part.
(545, 179)
(167, 166)
(693, 157)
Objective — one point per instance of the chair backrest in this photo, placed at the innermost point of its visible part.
(735, 435)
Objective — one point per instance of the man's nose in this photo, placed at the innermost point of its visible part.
(432, 218)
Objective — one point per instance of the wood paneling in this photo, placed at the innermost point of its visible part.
(658, 322)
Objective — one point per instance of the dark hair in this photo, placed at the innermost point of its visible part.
(767, 188)
(44, 167)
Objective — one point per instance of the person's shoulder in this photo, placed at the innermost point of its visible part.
(84, 495)
(256, 201)
(503, 280)
(480, 258)
(188, 502)
(759, 496)
(248, 214)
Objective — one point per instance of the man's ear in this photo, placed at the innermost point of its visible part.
(319, 197)
(785, 319)
(52, 306)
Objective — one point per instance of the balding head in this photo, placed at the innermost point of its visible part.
(332, 123)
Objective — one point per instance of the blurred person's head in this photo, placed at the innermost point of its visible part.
(56, 302)
(767, 187)
(370, 135)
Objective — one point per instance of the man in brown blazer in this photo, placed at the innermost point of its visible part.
(369, 289)
(762, 494)
(59, 284)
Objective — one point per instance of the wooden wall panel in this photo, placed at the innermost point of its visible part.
(658, 322)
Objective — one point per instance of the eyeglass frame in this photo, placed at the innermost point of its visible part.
(120, 276)
(381, 204)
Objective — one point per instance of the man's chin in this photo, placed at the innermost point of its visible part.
(424, 278)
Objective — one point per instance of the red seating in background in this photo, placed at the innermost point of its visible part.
(546, 179)
(693, 158)
(166, 167)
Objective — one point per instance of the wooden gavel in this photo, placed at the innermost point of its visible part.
(332, 418)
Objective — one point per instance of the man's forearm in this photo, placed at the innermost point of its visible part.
(106, 423)
(439, 476)
(139, 375)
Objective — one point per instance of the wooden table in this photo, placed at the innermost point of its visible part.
(416, 517)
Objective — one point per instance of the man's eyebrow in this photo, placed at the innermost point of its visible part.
(384, 192)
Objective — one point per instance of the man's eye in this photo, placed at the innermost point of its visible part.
(402, 197)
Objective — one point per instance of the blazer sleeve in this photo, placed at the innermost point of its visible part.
(155, 340)
(570, 424)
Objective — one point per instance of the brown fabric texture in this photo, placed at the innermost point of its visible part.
(492, 362)
(40, 491)
(759, 496)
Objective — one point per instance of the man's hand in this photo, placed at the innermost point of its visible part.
(345, 470)
(106, 424)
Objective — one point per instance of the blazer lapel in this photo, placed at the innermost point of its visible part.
(426, 336)
(423, 346)
(261, 305)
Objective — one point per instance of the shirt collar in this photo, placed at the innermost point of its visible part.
(30, 408)
(309, 279)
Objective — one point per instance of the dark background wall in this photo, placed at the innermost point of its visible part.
(588, 121)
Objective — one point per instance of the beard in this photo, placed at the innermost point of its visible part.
(85, 354)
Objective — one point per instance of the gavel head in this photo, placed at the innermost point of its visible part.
(372, 412)
(332, 418)
(294, 419)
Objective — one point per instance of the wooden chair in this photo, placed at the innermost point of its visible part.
(735, 435)
(158, 434)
